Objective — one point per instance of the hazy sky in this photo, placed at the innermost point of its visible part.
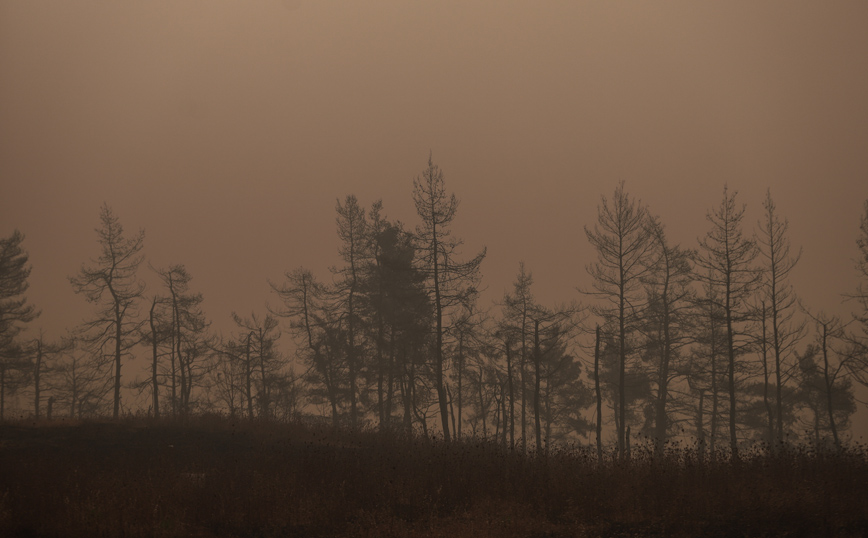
(227, 129)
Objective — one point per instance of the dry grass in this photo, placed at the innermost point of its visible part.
(216, 477)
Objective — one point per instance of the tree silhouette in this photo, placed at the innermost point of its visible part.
(111, 283)
(623, 243)
(779, 300)
(727, 257)
(450, 282)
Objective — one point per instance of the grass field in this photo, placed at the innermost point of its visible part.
(217, 477)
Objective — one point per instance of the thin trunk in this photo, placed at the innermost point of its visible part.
(537, 360)
(661, 422)
(155, 385)
(700, 426)
(438, 314)
(247, 376)
(768, 406)
(829, 382)
(36, 373)
(599, 396)
(523, 368)
(264, 397)
(779, 406)
(730, 348)
(2, 393)
(622, 359)
(482, 407)
(118, 333)
(460, 388)
(511, 419)
(714, 396)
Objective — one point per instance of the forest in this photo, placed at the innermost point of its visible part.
(704, 345)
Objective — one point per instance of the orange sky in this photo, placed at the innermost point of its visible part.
(227, 129)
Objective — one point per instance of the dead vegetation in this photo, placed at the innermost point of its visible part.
(218, 477)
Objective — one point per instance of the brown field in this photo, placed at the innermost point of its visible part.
(218, 477)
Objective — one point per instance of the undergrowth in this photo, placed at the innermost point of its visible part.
(220, 477)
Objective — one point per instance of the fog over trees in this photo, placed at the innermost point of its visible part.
(705, 343)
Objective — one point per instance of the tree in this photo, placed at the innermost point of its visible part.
(467, 343)
(79, 380)
(42, 353)
(824, 387)
(667, 320)
(111, 283)
(186, 325)
(779, 300)
(623, 243)
(317, 331)
(260, 359)
(449, 282)
(704, 371)
(14, 310)
(858, 365)
(517, 309)
(728, 256)
(552, 328)
(354, 251)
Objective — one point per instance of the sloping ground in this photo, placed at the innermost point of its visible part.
(216, 477)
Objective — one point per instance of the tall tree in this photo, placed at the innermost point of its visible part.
(704, 370)
(728, 258)
(111, 283)
(186, 327)
(667, 320)
(779, 299)
(517, 310)
(598, 426)
(623, 243)
(450, 282)
(354, 251)
(552, 329)
(858, 365)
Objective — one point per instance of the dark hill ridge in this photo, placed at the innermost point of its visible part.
(219, 477)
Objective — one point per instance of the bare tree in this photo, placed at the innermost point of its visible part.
(623, 243)
(111, 283)
(598, 426)
(517, 309)
(728, 256)
(824, 385)
(667, 320)
(779, 299)
(449, 282)
(354, 251)
(261, 359)
(317, 331)
(186, 335)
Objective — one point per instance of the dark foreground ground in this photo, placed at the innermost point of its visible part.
(215, 477)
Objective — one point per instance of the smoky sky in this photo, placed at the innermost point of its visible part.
(227, 130)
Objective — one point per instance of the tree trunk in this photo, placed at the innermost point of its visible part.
(511, 420)
(730, 348)
(37, 370)
(156, 387)
(599, 396)
(766, 403)
(537, 359)
(829, 387)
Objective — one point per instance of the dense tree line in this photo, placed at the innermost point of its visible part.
(710, 341)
